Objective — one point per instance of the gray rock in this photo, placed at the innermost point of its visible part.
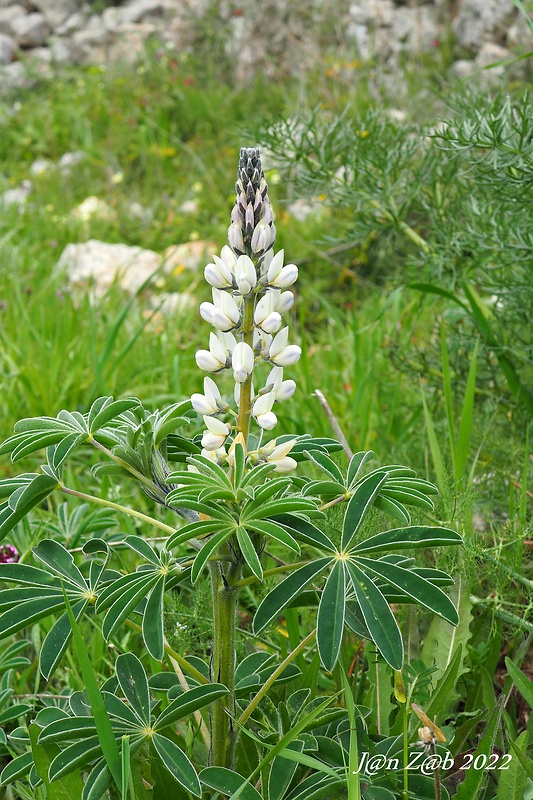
(13, 77)
(73, 23)
(461, 69)
(491, 53)
(7, 49)
(135, 11)
(479, 20)
(56, 11)
(41, 55)
(31, 31)
(374, 13)
(8, 15)
(65, 50)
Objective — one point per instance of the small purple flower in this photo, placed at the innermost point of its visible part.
(8, 554)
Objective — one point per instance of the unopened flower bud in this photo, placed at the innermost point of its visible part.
(245, 275)
(284, 302)
(242, 362)
(288, 356)
(272, 323)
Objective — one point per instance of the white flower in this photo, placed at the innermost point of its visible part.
(262, 411)
(228, 257)
(242, 361)
(217, 456)
(279, 456)
(282, 354)
(210, 402)
(284, 302)
(281, 389)
(216, 357)
(216, 433)
(280, 276)
(218, 274)
(263, 236)
(245, 275)
(265, 315)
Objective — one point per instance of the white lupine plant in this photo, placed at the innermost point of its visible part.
(227, 501)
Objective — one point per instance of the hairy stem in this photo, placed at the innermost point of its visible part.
(225, 598)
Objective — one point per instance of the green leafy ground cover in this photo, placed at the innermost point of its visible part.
(412, 312)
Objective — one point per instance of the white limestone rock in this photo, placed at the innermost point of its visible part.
(99, 265)
(31, 30)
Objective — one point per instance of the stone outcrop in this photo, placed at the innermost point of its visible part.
(273, 36)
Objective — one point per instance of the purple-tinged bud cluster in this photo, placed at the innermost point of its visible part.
(8, 554)
(252, 231)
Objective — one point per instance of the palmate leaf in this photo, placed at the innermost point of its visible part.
(226, 781)
(102, 413)
(57, 640)
(188, 702)
(152, 625)
(304, 531)
(207, 550)
(249, 552)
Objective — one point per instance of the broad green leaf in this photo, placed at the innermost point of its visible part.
(304, 531)
(70, 787)
(378, 617)
(275, 532)
(330, 620)
(152, 625)
(106, 738)
(9, 485)
(144, 549)
(177, 763)
(31, 495)
(207, 467)
(30, 576)
(62, 730)
(408, 538)
(360, 503)
(326, 465)
(411, 497)
(134, 684)
(195, 530)
(115, 590)
(66, 447)
(422, 591)
(122, 607)
(111, 411)
(227, 782)
(323, 488)
(26, 613)
(98, 782)
(512, 782)
(522, 757)
(523, 684)
(17, 768)
(74, 757)
(357, 462)
(57, 640)
(209, 509)
(282, 594)
(392, 508)
(188, 702)
(277, 507)
(207, 550)
(60, 561)
(120, 711)
(249, 552)
(319, 787)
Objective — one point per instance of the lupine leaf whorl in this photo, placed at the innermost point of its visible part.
(252, 231)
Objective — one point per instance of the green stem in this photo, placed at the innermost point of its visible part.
(405, 753)
(250, 708)
(245, 398)
(225, 598)
(125, 510)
